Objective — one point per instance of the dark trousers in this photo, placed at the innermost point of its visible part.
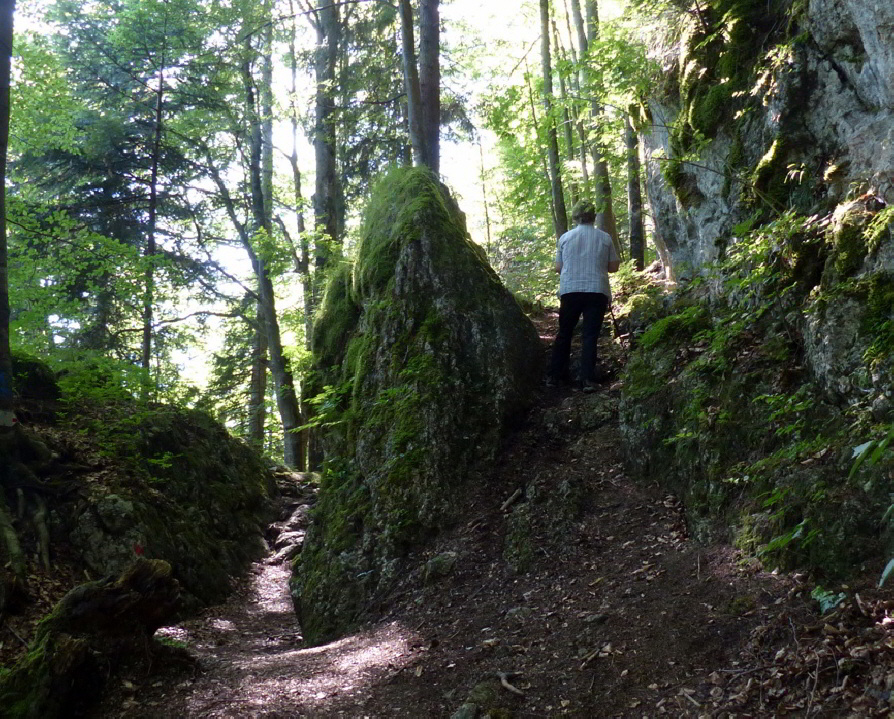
(572, 305)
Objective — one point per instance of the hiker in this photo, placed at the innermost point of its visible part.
(584, 257)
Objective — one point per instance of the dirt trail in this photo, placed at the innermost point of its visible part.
(619, 614)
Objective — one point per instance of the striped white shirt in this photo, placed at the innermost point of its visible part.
(584, 254)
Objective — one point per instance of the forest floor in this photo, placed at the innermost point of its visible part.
(624, 617)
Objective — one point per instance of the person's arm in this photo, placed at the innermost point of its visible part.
(614, 265)
(558, 265)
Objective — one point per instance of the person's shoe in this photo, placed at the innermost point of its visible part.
(552, 382)
(589, 385)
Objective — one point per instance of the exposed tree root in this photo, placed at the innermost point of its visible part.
(15, 555)
(42, 531)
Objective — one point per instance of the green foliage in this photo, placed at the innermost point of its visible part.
(880, 228)
(878, 318)
(828, 600)
(675, 327)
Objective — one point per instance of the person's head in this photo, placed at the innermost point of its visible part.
(584, 212)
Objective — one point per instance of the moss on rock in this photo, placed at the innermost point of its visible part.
(82, 641)
(184, 491)
(749, 407)
(424, 361)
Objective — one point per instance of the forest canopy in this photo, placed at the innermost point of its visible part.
(183, 173)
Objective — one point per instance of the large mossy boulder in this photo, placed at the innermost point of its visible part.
(422, 359)
(175, 486)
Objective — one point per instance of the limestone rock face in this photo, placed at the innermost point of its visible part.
(823, 99)
(771, 178)
(423, 359)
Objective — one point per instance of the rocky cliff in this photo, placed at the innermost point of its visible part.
(764, 395)
(422, 361)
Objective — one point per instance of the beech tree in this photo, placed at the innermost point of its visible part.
(7, 8)
(634, 197)
(423, 82)
(326, 21)
(560, 212)
(590, 83)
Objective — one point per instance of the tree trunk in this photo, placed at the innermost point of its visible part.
(411, 85)
(430, 81)
(7, 8)
(591, 85)
(283, 381)
(552, 140)
(257, 401)
(635, 198)
(567, 129)
(325, 198)
(303, 248)
(579, 108)
(606, 219)
(151, 249)
(543, 161)
(484, 196)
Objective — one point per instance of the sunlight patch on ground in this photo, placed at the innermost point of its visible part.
(262, 671)
(178, 634)
(312, 680)
(223, 625)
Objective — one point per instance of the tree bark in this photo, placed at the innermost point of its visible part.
(552, 140)
(567, 129)
(430, 80)
(634, 198)
(579, 109)
(411, 85)
(590, 84)
(283, 380)
(151, 249)
(257, 400)
(543, 160)
(302, 250)
(328, 29)
(7, 8)
(606, 219)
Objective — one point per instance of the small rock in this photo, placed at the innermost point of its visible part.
(596, 618)
(439, 566)
(466, 711)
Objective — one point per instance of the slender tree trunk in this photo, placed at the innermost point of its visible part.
(151, 249)
(484, 194)
(326, 189)
(634, 198)
(303, 248)
(603, 183)
(411, 85)
(590, 85)
(266, 93)
(543, 160)
(7, 8)
(405, 154)
(552, 140)
(283, 381)
(579, 108)
(430, 81)
(257, 402)
(567, 129)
